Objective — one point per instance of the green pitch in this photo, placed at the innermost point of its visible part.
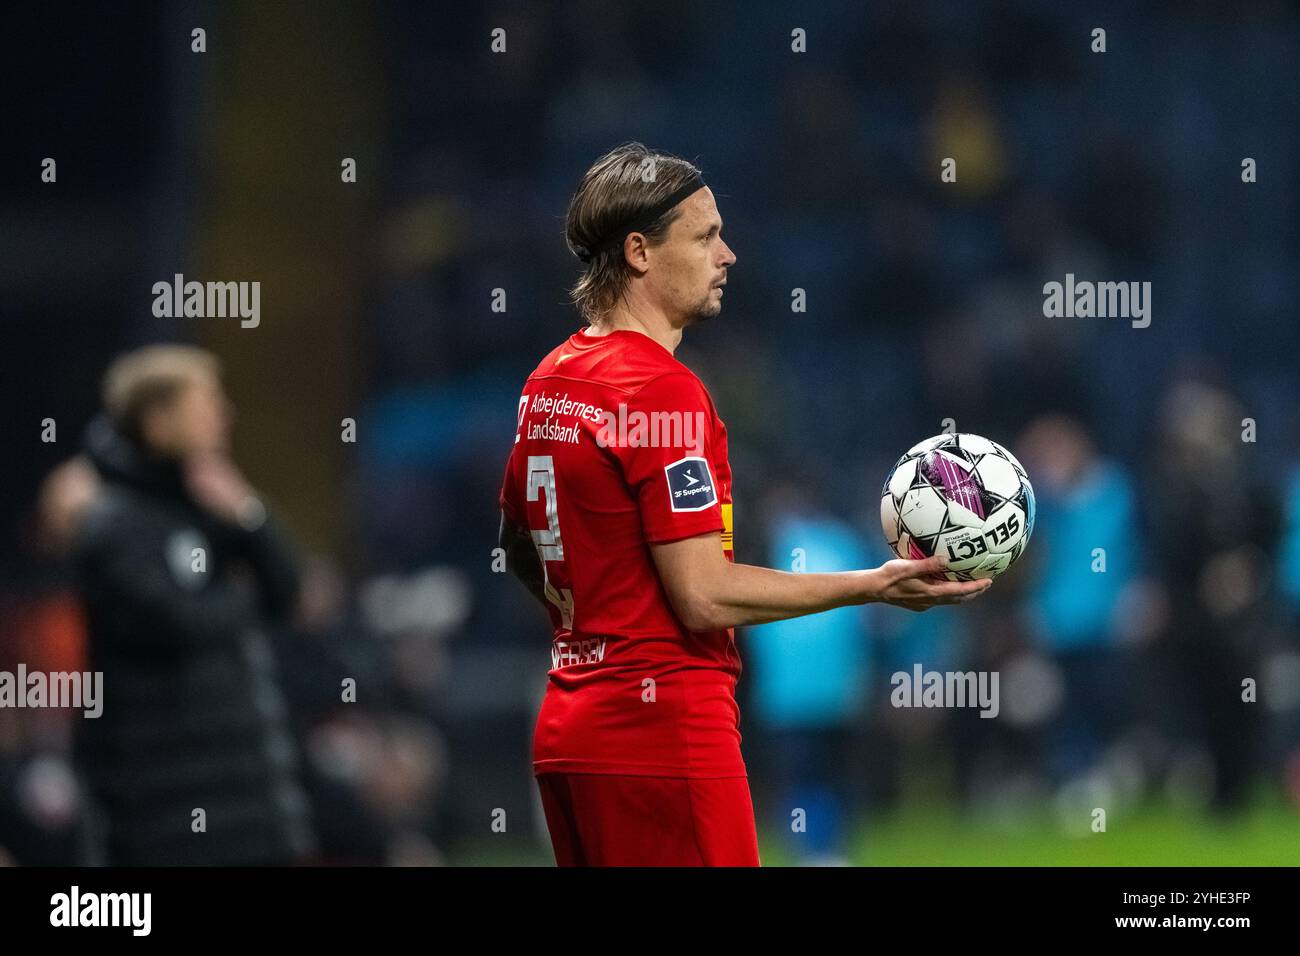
(1155, 835)
(1266, 835)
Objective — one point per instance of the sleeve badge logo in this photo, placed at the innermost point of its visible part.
(690, 485)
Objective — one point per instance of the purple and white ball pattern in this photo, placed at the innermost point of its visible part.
(961, 496)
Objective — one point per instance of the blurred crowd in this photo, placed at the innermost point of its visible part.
(1165, 563)
(1147, 643)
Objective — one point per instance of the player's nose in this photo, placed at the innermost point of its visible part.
(728, 257)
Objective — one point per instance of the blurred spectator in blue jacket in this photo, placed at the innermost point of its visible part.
(1086, 562)
(810, 681)
(1289, 550)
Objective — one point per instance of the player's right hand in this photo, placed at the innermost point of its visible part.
(919, 585)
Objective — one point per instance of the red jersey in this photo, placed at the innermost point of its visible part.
(619, 446)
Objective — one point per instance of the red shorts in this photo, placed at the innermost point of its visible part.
(610, 820)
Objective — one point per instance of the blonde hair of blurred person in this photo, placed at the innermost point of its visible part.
(170, 401)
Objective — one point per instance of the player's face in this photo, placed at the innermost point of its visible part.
(692, 262)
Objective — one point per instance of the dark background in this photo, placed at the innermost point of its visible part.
(924, 303)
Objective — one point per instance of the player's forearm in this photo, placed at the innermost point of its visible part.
(742, 594)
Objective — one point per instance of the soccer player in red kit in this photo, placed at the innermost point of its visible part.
(617, 514)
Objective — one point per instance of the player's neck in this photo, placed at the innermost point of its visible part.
(647, 321)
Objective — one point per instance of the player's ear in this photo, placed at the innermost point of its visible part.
(637, 252)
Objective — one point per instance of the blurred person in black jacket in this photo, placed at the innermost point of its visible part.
(183, 575)
(1215, 528)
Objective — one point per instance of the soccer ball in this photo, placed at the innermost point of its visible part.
(960, 496)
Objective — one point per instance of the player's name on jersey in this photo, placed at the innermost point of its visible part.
(567, 653)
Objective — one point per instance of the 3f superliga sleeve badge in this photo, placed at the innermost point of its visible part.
(690, 485)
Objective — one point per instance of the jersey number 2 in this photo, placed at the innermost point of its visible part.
(541, 474)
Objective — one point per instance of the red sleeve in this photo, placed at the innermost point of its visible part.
(667, 458)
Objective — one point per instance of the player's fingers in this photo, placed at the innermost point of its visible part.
(905, 568)
(960, 588)
(936, 601)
